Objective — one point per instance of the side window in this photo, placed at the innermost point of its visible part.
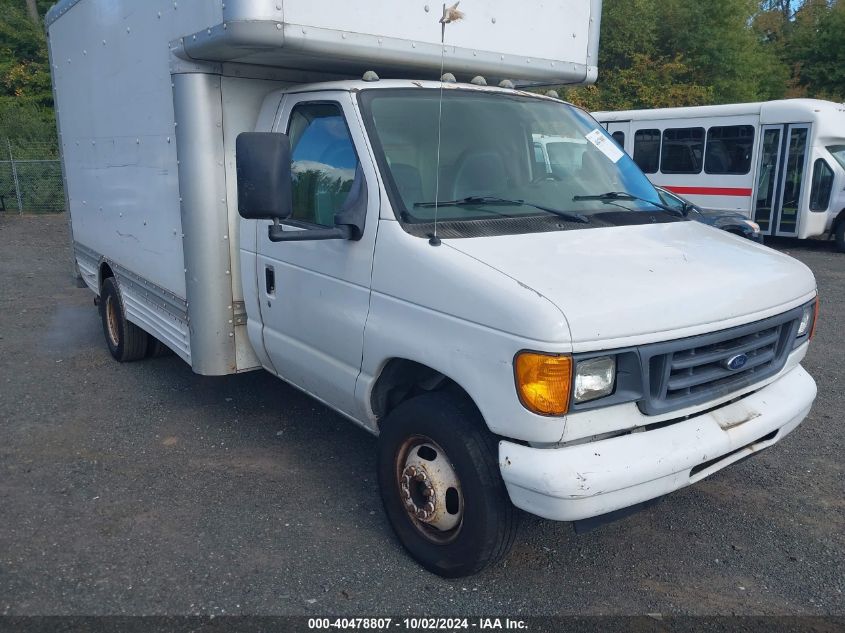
(822, 186)
(323, 162)
(619, 137)
(729, 150)
(683, 151)
(647, 150)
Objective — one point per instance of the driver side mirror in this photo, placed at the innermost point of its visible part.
(265, 190)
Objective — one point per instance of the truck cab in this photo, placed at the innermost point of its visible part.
(485, 313)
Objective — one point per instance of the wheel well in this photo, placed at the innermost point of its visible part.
(105, 273)
(401, 380)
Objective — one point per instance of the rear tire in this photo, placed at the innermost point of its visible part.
(840, 235)
(156, 349)
(126, 341)
(437, 447)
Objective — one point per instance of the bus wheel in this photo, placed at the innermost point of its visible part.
(441, 487)
(126, 341)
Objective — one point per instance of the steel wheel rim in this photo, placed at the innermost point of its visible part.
(429, 489)
(112, 322)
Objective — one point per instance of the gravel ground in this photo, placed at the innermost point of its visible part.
(145, 489)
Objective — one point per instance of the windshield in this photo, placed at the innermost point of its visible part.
(671, 200)
(500, 155)
(838, 152)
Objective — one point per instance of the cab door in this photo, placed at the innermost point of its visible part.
(315, 295)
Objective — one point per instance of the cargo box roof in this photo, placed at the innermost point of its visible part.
(531, 42)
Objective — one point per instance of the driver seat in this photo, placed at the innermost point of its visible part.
(479, 173)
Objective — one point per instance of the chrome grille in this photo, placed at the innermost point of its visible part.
(694, 370)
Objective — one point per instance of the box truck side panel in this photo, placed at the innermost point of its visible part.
(115, 110)
(115, 107)
(158, 225)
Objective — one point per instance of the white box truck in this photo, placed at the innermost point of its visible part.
(517, 336)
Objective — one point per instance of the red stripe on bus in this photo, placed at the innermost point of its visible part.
(712, 191)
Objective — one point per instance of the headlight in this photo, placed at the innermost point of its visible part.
(543, 382)
(808, 319)
(595, 378)
(754, 226)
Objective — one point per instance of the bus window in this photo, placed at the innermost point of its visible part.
(729, 150)
(647, 150)
(683, 151)
(822, 186)
(619, 137)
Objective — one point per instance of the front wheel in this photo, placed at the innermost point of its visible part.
(441, 486)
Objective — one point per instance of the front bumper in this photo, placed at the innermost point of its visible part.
(587, 480)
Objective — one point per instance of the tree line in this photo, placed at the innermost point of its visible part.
(26, 97)
(664, 53)
(654, 53)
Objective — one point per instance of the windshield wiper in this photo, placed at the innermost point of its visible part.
(492, 200)
(614, 196)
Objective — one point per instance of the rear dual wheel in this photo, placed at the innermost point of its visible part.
(441, 486)
(126, 341)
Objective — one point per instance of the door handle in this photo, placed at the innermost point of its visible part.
(270, 280)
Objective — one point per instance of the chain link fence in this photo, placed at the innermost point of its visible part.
(30, 177)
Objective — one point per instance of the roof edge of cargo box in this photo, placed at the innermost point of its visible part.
(292, 46)
(57, 11)
(262, 37)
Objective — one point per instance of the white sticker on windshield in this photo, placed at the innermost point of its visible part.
(605, 145)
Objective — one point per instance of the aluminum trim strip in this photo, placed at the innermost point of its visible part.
(161, 299)
(58, 10)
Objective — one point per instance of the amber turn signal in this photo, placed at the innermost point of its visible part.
(543, 382)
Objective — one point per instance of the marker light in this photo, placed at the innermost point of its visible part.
(543, 382)
(595, 378)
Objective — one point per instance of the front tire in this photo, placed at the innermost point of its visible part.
(126, 341)
(441, 486)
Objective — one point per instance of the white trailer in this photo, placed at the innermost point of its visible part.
(780, 163)
(516, 334)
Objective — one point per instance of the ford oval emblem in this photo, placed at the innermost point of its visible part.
(735, 363)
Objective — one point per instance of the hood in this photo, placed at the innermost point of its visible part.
(632, 285)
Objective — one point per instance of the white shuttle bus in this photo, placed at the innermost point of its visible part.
(782, 163)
